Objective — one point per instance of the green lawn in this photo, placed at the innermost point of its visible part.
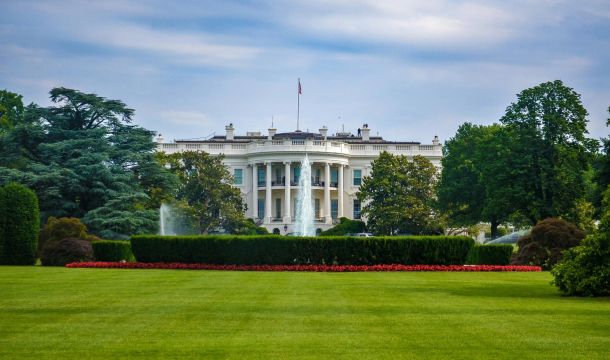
(97, 313)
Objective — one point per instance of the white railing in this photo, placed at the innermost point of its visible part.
(319, 146)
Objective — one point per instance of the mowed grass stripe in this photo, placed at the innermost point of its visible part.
(50, 313)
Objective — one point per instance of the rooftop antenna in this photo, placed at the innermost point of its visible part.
(272, 121)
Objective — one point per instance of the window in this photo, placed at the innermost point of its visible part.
(238, 176)
(357, 177)
(317, 208)
(297, 174)
(334, 208)
(334, 177)
(356, 209)
(261, 176)
(261, 208)
(278, 208)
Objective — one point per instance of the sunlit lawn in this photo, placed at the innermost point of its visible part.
(97, 313)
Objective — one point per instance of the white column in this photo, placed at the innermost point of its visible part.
(340, 192)
(327, 218)
(268, 194)
(287, 213)
(254, 191)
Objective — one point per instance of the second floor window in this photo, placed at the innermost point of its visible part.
(357, 177)
(238, 176)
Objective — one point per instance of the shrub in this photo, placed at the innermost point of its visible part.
(21, 222)
(112, 250)
(61, 228)
(65, 251)
(585, 270)
(490, 254)
(345, 227)
(546, 242)
(211, 249)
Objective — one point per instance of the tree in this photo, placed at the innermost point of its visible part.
(472, 166)
(549, 151)
(398, 195)
(206, 188)
(11, 109)
(81, 154)
(124, 216)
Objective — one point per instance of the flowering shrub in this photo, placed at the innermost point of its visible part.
(312, 268)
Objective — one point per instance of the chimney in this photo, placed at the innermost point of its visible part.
(436, 141)
(230, 132)
(272, 132)
(324, 131)
(366, 132)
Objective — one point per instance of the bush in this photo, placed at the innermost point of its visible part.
(20, 225)
(345, 227)
(585, 270)
(65, 251)
(61, 228)
(490, 254)
(546, 242)
(112, 250)
(281, 250)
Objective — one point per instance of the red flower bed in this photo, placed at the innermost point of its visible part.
(313, 268)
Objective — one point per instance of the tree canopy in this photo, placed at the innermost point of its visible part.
(549, 149)
(206, 190)
(398, 195)
(81, 154)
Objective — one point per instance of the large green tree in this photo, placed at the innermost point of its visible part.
(549, 151)
(468, 190)
(206, 190)
(82, 153)
(398, 195)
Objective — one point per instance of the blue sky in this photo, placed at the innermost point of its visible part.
(410, 69)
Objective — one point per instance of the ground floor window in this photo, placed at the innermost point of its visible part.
(334, 208)
(261, 208)
(356, 209)
(278, 208)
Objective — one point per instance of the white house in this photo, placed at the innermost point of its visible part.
(267, 168)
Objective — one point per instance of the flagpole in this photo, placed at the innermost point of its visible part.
(298, 102)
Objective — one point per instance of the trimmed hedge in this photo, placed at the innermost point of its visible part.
(112, 250)
(498, 254)
(281, 250)
(21, 224)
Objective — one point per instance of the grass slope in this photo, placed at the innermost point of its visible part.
(99, 314)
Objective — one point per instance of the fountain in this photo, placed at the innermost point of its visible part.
(305, 209)
(165, 223)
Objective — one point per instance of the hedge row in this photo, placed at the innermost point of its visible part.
(112, 250)
(495, 254)
(280, 250)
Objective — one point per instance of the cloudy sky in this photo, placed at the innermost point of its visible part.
(410, 69)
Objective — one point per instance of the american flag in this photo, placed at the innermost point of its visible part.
(300, 91)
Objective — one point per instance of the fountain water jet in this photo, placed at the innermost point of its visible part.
(305, 209)
(165, 224)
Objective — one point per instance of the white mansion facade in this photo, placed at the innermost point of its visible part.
(267, 168)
